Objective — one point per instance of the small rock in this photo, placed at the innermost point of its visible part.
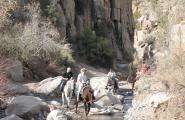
(57, 115)
(55, 103)
(121, 98)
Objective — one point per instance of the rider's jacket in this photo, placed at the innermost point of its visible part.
(82, 78)
(67, 75)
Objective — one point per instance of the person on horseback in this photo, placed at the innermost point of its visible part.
(112, 80)
(82, 81)
(65, 77)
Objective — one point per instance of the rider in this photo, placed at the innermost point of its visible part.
(65, 77)
(82, 81)
(111, 79)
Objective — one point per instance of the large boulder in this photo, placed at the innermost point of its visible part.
(12, 117)
(98, 84)
(118, 107)
(103, 98)
(57, 115)
(48, 85)
(22, 105)
(18, 88)
(108, 100)
(16, 71)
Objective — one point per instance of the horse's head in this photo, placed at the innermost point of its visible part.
(87, 94)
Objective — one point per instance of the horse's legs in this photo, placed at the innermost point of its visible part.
(69, 99)
(133, 84)
(63, 98)
(89, 107)
(76, 104)
(86, 109)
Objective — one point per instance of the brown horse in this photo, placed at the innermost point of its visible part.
(86, 98)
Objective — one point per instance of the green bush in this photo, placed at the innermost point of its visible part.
(95, 49)
(49, 9)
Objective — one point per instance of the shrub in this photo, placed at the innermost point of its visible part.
(23, 46)
(137, 15)
(49, 9)
(38, 38)
(5, 8)
(95, 49)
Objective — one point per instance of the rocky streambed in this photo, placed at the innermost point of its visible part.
(44, 103)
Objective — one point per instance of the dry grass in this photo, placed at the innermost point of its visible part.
(37, 37)
(5, 7)
(172, 67)
(4, 80)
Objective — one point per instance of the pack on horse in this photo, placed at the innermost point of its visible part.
(112, 85)
(86, 96)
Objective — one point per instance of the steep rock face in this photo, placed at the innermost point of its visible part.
(159, 96)
(109, 18)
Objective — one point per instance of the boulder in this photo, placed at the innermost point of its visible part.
(57, 115)
(118, 107)
(22, 105)
(48, 85)
(98, 84)
(108, 100)
(12, 117)
(18, 88)
(103, 98)
(16, 71)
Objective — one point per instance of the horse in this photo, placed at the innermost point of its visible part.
(112, 85)
(68, 91)
(86, 98)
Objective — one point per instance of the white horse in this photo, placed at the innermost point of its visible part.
(67, 93)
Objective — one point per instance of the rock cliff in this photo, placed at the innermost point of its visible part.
(111, 19)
